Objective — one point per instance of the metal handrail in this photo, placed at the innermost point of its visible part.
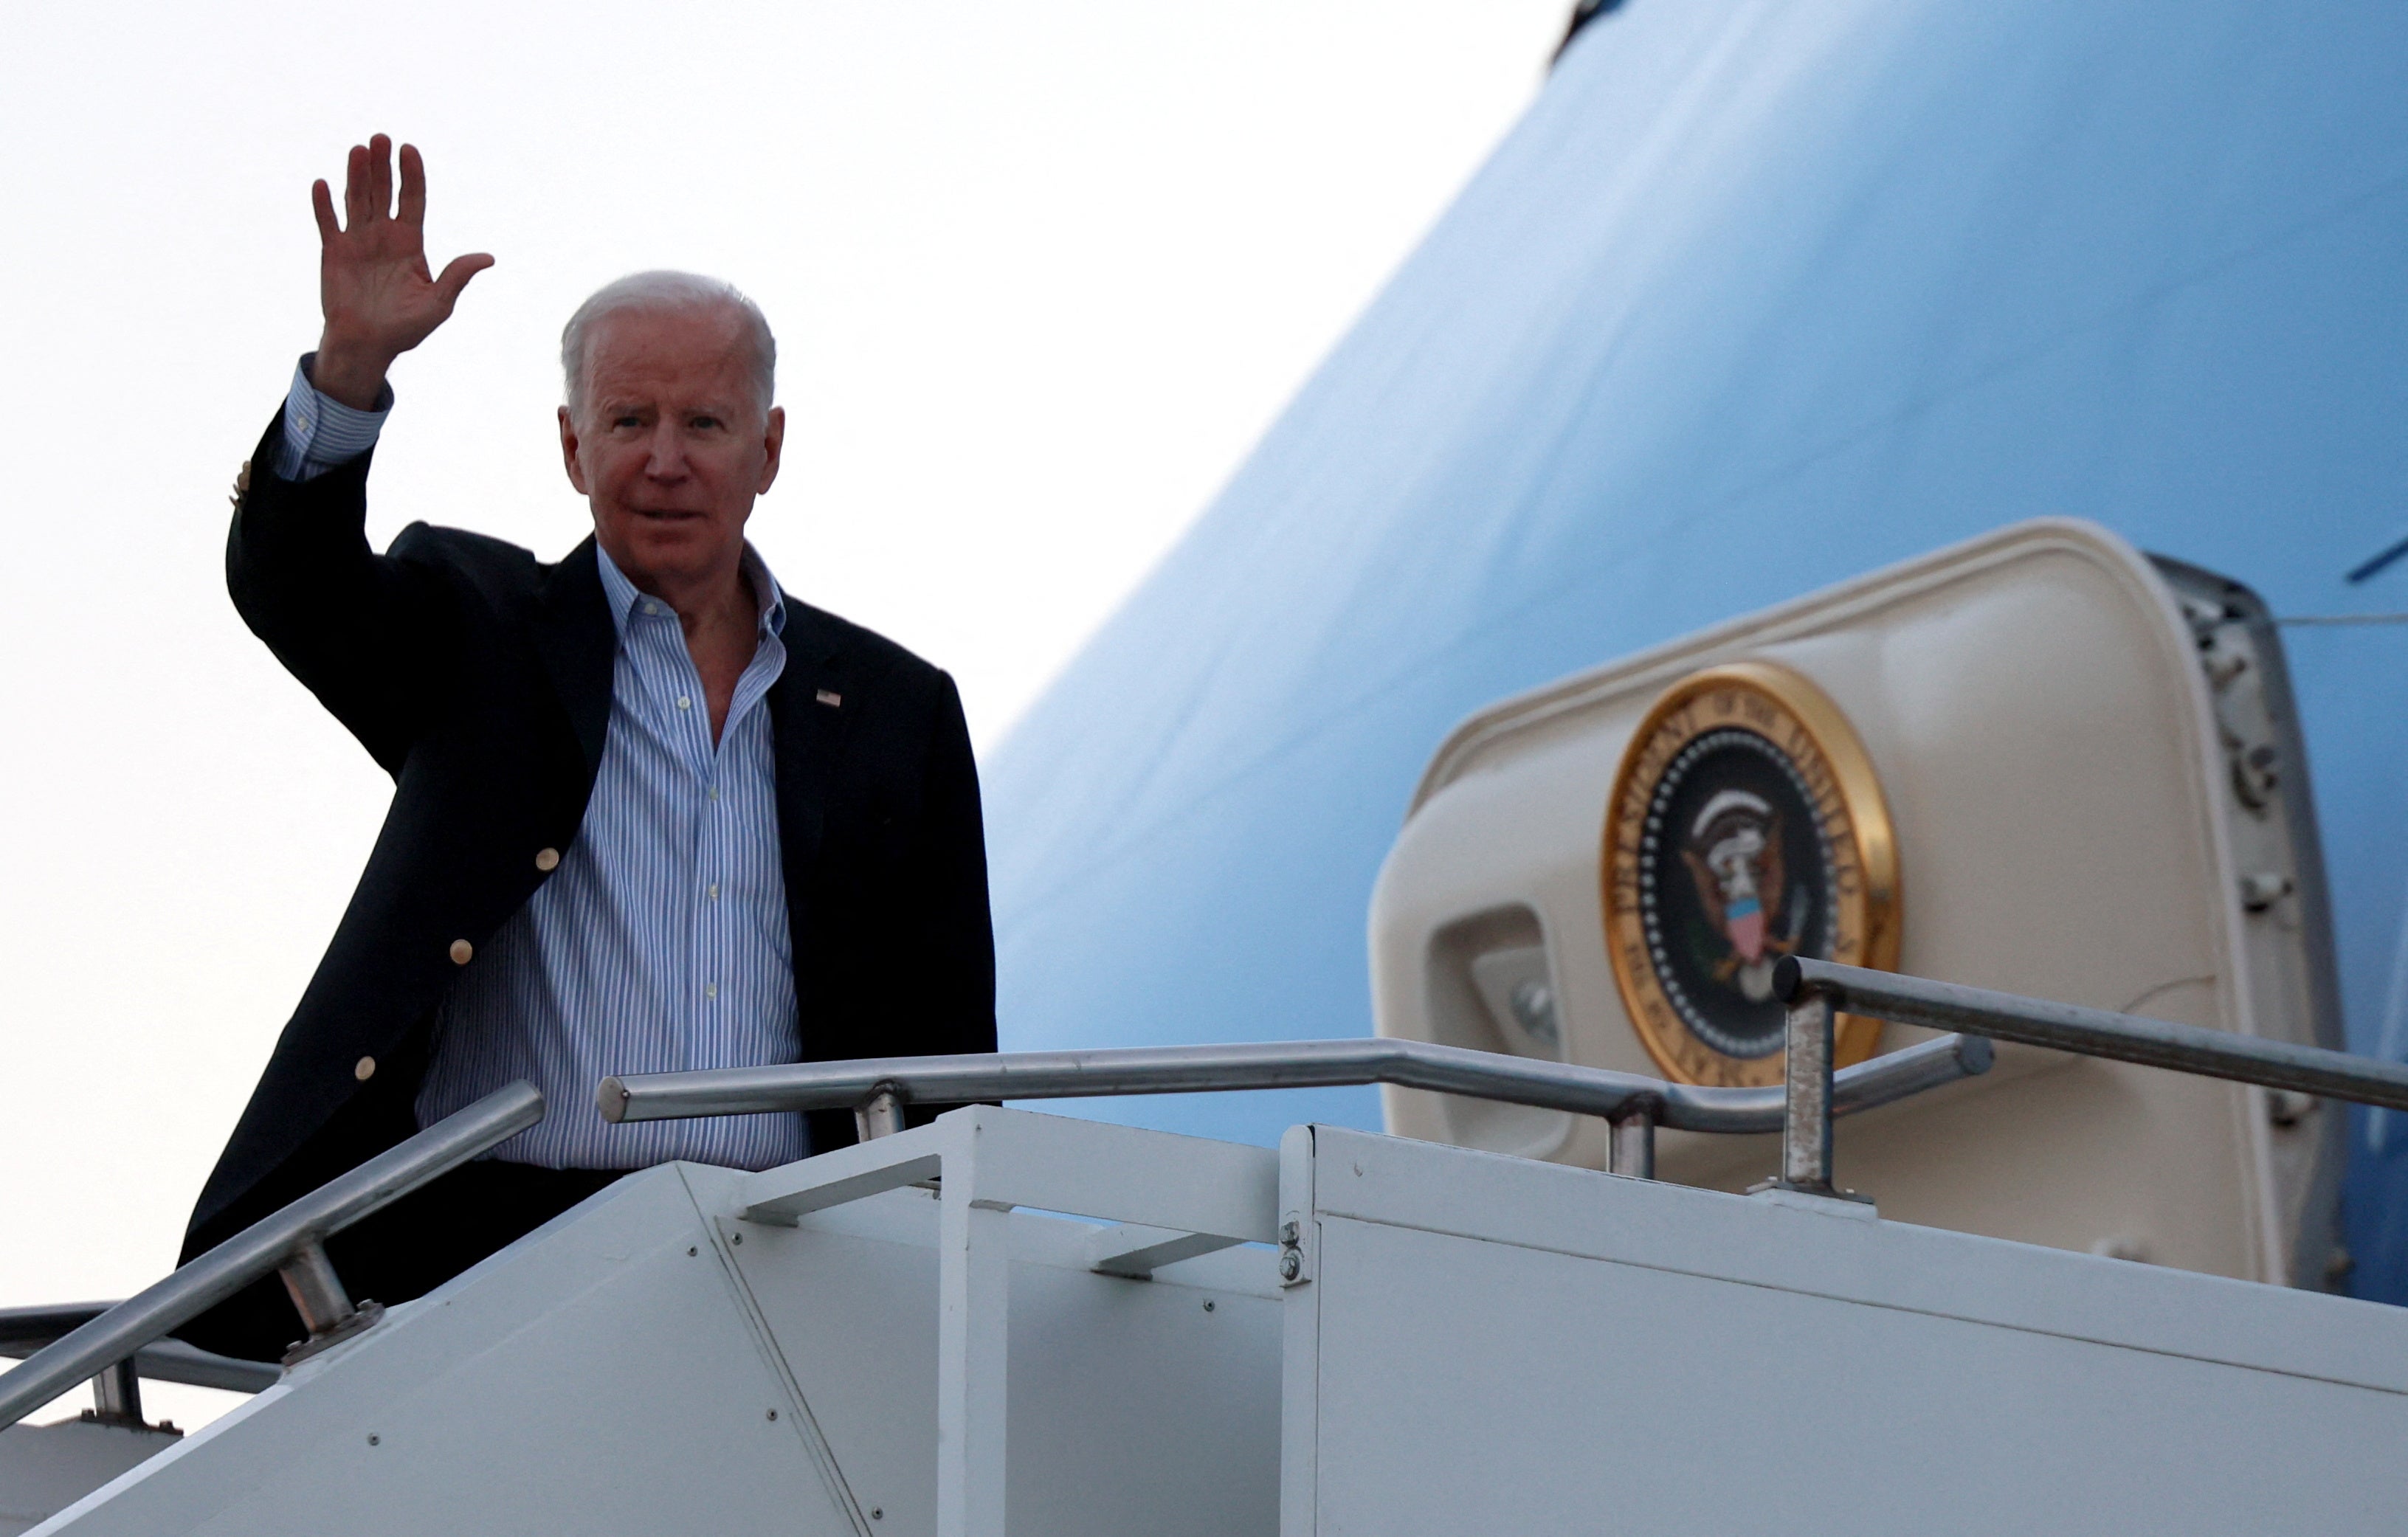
(25, 1330)
(2096, 1032)
(1284, 1064)
(1816, 991)
(289, 1240)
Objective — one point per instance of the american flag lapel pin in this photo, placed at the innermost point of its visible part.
(830, 697)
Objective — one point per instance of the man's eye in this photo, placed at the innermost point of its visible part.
(627, 421)
(705, 423)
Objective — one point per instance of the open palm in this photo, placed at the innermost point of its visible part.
(379, 296)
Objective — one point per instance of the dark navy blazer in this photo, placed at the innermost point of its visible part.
(480, 678)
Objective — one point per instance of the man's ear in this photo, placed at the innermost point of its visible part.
(774, 441)
(568, 453)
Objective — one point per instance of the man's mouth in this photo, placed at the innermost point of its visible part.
(667, 514)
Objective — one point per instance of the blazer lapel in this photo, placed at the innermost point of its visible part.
(579, 644)
(808, 738)
(807, 733)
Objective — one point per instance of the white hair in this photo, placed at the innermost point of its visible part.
(666, 290)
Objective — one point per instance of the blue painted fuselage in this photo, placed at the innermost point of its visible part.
(1759, 297)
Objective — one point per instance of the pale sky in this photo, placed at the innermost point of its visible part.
(1040, 273)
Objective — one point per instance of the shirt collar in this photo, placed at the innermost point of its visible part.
(623, 595)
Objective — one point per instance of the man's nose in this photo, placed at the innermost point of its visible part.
(665, 457)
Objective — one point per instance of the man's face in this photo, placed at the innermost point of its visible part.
(670, 444)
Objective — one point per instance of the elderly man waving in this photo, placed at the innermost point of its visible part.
(650, 811)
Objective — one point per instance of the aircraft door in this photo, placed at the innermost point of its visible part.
(2039, 761)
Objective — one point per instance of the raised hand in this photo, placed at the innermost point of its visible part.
(379, 296)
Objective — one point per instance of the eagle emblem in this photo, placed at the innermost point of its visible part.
(1745, 823)
(1733, 852)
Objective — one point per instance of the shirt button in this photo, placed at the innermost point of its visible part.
(364, 1070)
(651, 607)
(711, 991)
(714, 791)
(547, 860)
(684, 702)
(462, 951)
(714, 891)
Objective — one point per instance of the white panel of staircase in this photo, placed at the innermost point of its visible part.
(45, 1468)
(1890, 1264)
(1490, 1345)
(651, 1362)
(1134, 1406)
(597, 1378)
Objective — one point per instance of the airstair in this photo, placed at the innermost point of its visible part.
(1011, 1321)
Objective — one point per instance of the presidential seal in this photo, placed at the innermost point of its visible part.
(1745, 825)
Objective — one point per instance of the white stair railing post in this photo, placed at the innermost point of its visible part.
(973, 1346)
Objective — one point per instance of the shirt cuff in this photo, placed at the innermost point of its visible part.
(320, 433)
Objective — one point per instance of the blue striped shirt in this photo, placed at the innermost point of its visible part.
(660, 943)
(321, 432)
